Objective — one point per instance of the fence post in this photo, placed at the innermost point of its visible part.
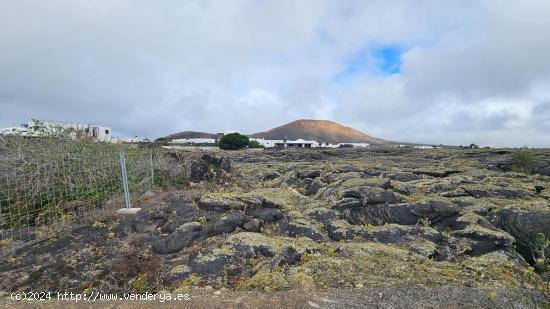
(124, 177)
(152, 169)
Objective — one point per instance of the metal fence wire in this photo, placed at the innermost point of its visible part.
(49, 185)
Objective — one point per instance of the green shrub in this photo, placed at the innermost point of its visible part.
(164, 141)
(233, 141)
(524, 161)
(255, 144)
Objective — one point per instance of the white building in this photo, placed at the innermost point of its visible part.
(36, 128)
(301, 143)
(423, 147)
(352, 145)
(194, 141)
(126, 140)
(280, 143)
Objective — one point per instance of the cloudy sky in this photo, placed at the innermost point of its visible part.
(452, 72)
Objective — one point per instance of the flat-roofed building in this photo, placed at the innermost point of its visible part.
(36, 128)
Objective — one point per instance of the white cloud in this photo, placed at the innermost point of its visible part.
(474, 70)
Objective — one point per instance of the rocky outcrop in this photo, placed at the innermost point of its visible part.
(207, 167)
(402, 213)
(322, 219)
(403, 176)
(228, 223)
(368, 195)
(523, 226)
(179, 239)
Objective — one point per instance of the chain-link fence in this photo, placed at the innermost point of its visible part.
(49, 185)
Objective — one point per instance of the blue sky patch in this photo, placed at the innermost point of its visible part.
(383, 61)
(390, 60)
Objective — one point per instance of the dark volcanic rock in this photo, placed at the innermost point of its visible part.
(182, 237)
(301, 228)
(254, 225)
(177, 274)
(487, 241)
(222, 163)
(205, 168)
(266, 214)
(499, 192)
(405, 214)
(324, 215)
(401, 234)
(314, 187)
(141, 226)
(308, 174)
(223, 204)
(347, 203)
(523, 226)
(340, 230)
(441, 187)
(478, 193)
(270, 176)
(228, 223)
(437, 174)
(206, 264)
(200, 171)
(294, 182)
(169, 227)
(287, 256)
(509, 193)
(373, 195)
(403, 176)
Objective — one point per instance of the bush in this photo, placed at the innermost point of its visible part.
(524, 161)
(234, 141)
(165, 141)
(255, 144)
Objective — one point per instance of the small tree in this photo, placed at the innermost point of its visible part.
(233, 141)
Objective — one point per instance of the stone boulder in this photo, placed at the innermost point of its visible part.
(373, 195)
(208, 165)
(403, 176)
(207, 263)
(266, 214)
(301, 227)
(226, 202)
(342, 230)
(270, 175)
(308, 174)
(403, 213)
(323, 215)
(182, 237)
(228, 223)
(314, 187)
(288, 256)
(523, 226)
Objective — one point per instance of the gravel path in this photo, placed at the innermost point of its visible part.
(390, 297)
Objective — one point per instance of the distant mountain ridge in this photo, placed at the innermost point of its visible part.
(324, 131)
(191, 134)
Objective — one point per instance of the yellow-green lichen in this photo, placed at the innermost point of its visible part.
(266, 282)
